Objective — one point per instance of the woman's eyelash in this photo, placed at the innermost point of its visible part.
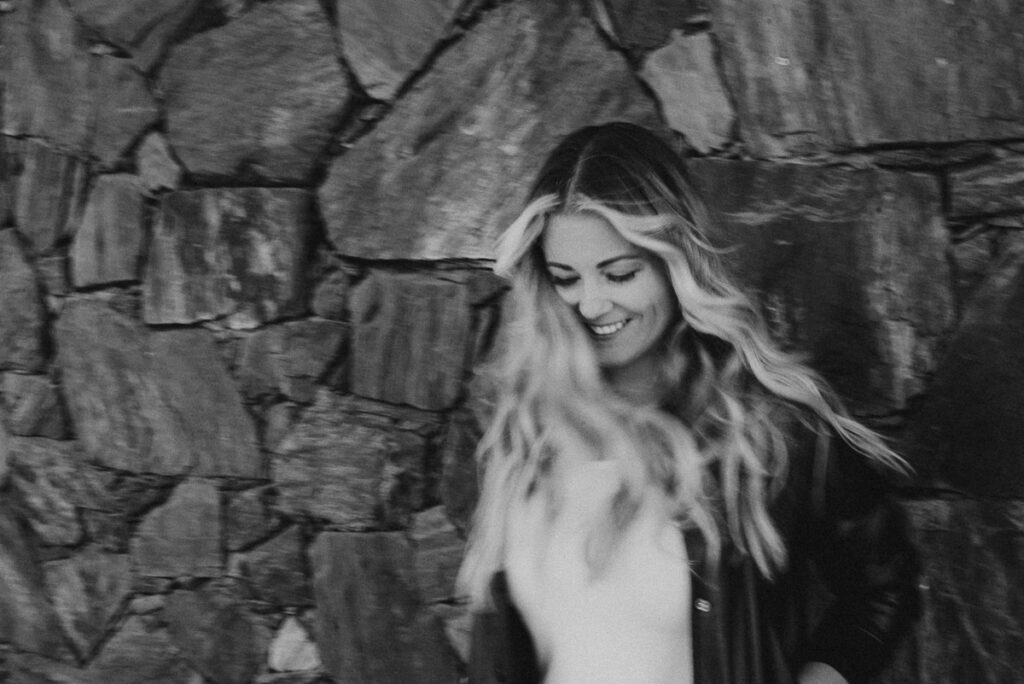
(622, 278)
(562, 281)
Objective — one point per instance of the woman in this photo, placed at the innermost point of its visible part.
(660, 479)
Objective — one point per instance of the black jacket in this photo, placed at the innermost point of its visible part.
(844, 534)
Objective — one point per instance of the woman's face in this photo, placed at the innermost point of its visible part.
(622, 296)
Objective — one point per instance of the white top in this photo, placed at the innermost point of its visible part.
(628, 625)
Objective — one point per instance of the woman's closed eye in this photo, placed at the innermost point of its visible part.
(563, 280)
(622, 277)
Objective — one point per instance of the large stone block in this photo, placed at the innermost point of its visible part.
(215, 632)
(290, 358)
(235, 253)
(50, 196)
(107, 246)
(350, 470)
(647, 24)
(259, 96)
(449, 167)
(410, 339)
(993, 188)
(828, 73)
(140, 651)
(967, 433)
(152, 402)
(58, 89)
(22, 317)
(181, 538)
(685, 78)
(971, 628)
(27, 619)
(142, 29)
(372, 625)
(386, 41)
(88, 591)
(850, 266)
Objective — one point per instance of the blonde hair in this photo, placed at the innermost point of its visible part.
(720, 451)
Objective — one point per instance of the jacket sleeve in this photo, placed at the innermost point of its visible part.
(501, 649)
(858, 539)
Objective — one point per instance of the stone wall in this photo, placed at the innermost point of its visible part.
(244, 282)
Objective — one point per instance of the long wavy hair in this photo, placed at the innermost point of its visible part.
(716, 449)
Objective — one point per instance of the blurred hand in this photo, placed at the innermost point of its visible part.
(820, 673)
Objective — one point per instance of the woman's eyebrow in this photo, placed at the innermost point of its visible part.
(602, 264)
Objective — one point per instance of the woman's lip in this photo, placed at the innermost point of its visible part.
(607, 329)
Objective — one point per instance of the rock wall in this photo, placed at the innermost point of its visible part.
(244, 282)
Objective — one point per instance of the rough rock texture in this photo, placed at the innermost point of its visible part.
(140, 651)
(157, 168)
(827, 73)
(972, 552)
(142, 29)
(113, 502)
(685, 78)
(989, 189)
(276, 570)
(351, 471)
(22, 318)
(290, 358)
(458, 486)
(88, 591)
(238, 253)
(152, 402)
(57, 89)
(410, 339)
(34, 406)
(292, 650)
(386, 41)
(48, 481)
(248, 518)
(448, 168)
(50, 196)
(49, 67)
(647, 24)
(372, 625)
(331, 295)
(181, 537)
(27, 620)
(213, 631)
(437, 554)
(259, 96)
(967, 433)
(5, 455)
(850, 265)
(108, 244)
(970, 259)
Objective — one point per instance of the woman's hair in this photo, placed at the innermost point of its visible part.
(720, 452)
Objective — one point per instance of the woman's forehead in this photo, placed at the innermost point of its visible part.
(583, 239)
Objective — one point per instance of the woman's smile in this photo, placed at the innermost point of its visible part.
(607, 330)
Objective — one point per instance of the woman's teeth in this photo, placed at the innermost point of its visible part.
(609, 329)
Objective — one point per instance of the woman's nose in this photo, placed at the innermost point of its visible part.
(593, 303)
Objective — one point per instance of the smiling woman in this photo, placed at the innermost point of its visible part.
(622, 293)
(660, 479)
